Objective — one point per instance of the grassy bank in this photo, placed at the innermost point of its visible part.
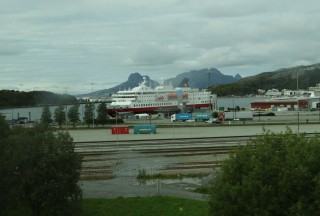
(157, 205)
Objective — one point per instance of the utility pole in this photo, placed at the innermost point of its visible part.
(93, 110)
(66, 91)
(298, 102)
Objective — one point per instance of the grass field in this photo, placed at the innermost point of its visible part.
(144, 206)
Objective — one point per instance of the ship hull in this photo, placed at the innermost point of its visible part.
(154, 109)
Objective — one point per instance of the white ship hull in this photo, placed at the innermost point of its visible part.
(143, 99)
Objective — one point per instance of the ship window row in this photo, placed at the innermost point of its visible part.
(119, 97)
(153, 104)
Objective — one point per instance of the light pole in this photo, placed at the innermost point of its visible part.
(233, 110)
(66, 119)
(298, 119)
(319, 108)
(117, 131)
(173, 131)
(298, 102)
(93, 109)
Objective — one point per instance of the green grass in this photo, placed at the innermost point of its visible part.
(139, 206)
(142, 175)
(147, 206)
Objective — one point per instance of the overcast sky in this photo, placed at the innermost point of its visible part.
(60, 45)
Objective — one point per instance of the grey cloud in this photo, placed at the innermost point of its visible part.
(75, 42)
(7, 48)
(152, 54)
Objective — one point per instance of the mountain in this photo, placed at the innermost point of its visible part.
(202, 78)
(134, 80)
(196, 79)
(300, 77)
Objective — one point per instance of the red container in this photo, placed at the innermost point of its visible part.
(120, 130)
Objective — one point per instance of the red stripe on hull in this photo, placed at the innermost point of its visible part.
(153, 109)
(140, 109)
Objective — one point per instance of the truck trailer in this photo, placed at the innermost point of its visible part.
(181, 117)
(202, 116)
(241, 115)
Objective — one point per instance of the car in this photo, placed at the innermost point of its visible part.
(190, 120)
(214, 121)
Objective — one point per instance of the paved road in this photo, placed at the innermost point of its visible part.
(85, 135)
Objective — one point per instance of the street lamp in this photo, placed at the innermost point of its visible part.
(318, 106)
(93, 110)
(173, 131)
(117, 131)
(66, 119)
(298, 116)
(233, 109)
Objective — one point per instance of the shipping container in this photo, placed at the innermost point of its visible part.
(204, 116)
(144, 129)
(120, 130)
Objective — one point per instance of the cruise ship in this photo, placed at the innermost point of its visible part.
(144, 99)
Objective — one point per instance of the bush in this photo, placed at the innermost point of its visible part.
(276, 174)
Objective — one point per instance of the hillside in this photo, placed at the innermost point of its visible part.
(280, 79)
(203, 78)
(133, 80)
(196, 79)
(11, 98)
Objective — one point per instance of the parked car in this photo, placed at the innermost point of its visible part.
(190, 120)
(214, 121)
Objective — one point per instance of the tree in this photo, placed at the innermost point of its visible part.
(276, 174)
(102, 113)
(4, 127)
(74, 115)
(88, 113)
(46, 116)
(39, 173)
(60, 115)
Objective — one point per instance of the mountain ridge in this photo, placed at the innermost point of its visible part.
(194, 78)
(299, 77)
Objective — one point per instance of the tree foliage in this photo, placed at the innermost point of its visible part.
(4, 127)
(39, 173)
(73, 114)
(276, 174)
(46, 116)
(102, 113)
(88, 113)
(60, 115)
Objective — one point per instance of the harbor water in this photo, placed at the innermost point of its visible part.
(34, 113)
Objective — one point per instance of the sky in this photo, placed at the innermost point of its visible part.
(79, 46)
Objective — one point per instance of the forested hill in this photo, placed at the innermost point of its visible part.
(304, 76)
(11, 98)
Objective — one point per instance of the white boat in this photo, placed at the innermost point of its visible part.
(144, 99)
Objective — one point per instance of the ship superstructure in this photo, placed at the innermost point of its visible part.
(144, 99)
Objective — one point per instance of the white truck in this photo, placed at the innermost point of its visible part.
(241, 115)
